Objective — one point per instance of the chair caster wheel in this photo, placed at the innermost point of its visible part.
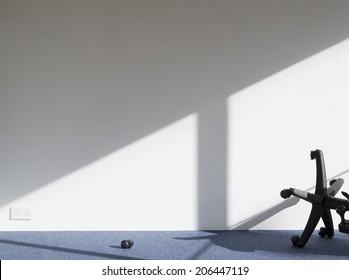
(295, 239)
(127, 244)
(285, 193)
(333, 181)
(323, 232)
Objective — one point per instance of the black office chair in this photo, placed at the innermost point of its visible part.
(322, 201)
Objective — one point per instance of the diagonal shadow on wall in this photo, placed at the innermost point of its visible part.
(81, 81)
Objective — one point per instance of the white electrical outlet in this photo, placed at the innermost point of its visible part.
(20, 213)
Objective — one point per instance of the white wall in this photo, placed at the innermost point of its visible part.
(280, 120)
(146, 115)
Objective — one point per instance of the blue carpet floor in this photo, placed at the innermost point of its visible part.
(169, 245)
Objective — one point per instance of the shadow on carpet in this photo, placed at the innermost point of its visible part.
(269, 245)
(169, 245)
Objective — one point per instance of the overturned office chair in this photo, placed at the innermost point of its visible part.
(323, 200)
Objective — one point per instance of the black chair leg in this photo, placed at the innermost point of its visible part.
(315, 215)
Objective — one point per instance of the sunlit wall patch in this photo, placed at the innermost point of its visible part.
(274, 122)
(147, 185)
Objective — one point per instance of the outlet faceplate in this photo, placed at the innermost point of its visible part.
(20, 213)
